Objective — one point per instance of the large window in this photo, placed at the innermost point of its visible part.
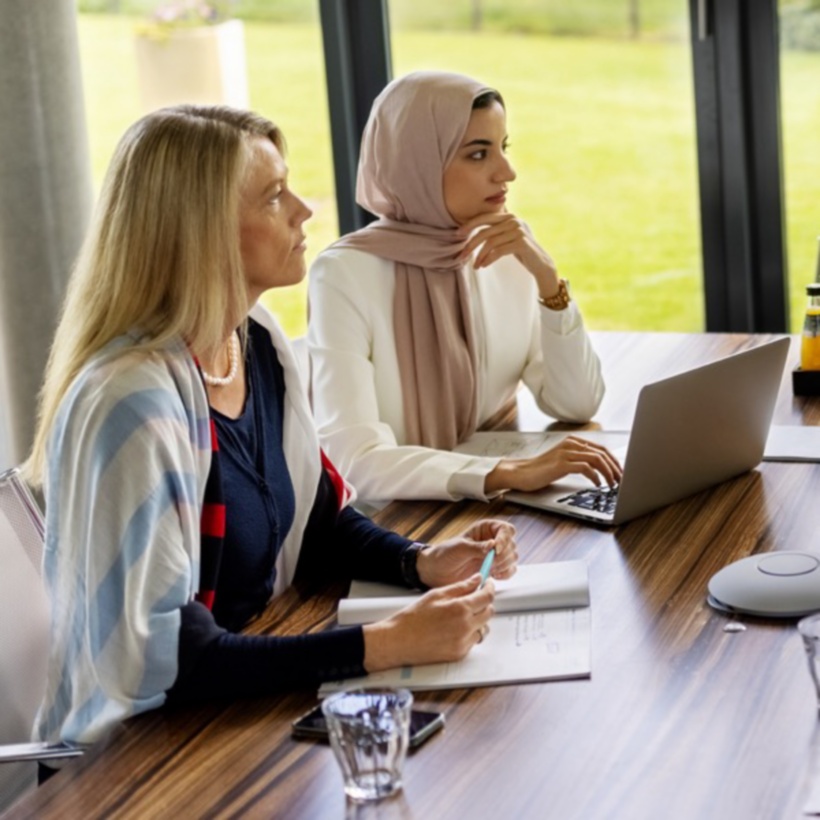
(800, 82)
(286, 82)
(601, 120)
(602, 125)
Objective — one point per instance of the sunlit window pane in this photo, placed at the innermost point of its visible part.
(285, 82)
(602, 130)
(800, 110)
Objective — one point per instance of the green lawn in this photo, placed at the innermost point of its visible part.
(656, 18)
(602, 135)
(800, 83)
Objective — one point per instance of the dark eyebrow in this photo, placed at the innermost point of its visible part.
(477, 142)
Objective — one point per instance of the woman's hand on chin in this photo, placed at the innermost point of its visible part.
(502, 234)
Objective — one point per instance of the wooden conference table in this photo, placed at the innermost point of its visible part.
(680, 719)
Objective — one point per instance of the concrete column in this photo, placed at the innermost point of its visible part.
(6, 459)
(45, 196)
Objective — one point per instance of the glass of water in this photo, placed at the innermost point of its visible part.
(369, 730)
(809, 629)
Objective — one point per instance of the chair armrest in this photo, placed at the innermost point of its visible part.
(10, 752)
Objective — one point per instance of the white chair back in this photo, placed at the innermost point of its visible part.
(24, 628)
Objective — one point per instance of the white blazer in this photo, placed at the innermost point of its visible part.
(357, 397)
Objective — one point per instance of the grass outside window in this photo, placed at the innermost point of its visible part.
(602, 135)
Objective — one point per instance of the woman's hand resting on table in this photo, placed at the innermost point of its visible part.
(573, 455)
(445, 623)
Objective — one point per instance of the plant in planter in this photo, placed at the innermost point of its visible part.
(191, 51)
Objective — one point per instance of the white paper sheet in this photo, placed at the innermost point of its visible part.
(531, 646)
(558, 584)
(793, 443)
(522, 444)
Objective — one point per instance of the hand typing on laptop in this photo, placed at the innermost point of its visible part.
(571, 456)
(690, 431)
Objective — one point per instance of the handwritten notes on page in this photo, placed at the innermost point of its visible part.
(509, 444)
(520, 647)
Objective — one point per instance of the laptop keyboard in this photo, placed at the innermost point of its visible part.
(597, 499)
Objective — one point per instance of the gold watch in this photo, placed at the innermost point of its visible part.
(559, 301)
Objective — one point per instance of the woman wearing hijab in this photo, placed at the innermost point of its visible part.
(424, 323)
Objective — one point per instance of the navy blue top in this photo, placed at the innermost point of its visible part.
(214, 659)
(256, 486)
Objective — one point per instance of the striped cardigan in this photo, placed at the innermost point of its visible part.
(128, 461)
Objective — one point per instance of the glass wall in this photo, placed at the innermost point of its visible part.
(601, 121)
(286, 82)
(800, 111)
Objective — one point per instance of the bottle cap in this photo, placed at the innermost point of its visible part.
(813, 289)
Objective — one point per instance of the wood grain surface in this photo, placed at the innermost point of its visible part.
(680, 719)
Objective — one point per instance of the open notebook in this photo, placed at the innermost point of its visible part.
(541, 631)
(561, 584)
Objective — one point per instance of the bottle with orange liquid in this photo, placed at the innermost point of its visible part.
(810, 347)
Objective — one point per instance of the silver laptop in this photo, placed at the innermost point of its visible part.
(691, 431)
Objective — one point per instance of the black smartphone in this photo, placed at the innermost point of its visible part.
(312, 726)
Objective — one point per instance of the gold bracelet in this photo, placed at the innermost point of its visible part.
(561, 300)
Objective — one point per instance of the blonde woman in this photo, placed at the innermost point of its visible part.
(424, 323)
(182, 471)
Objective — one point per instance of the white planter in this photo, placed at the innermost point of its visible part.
(194, 65)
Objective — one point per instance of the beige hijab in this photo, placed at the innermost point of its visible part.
(415, 128)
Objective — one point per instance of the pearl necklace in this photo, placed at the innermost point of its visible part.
(233, 358)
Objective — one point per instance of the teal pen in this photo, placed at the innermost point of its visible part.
(486, 567)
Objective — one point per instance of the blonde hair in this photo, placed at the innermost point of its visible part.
(162, 254)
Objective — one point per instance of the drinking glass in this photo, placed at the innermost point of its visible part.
(809, 629)
(369, 730)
